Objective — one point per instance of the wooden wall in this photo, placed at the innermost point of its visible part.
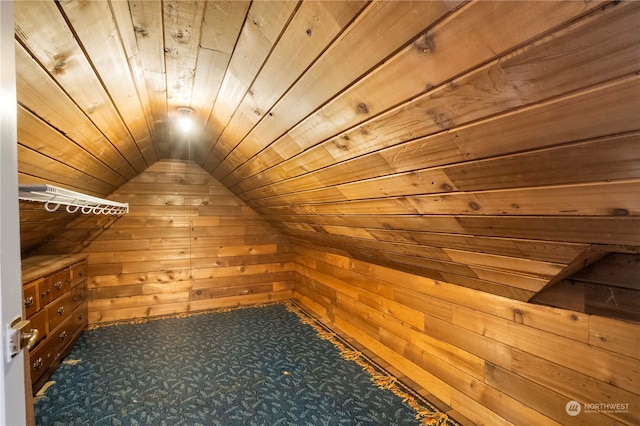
(186, 244)
(495, 360)
(489, 152)
(490, 144)
(608, 287)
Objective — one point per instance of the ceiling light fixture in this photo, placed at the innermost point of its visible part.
(184, 121)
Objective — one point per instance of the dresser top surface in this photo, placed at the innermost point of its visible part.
(35, 267)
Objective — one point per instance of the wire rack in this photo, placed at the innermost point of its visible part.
(54, 197)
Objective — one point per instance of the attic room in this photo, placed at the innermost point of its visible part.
(436, 200)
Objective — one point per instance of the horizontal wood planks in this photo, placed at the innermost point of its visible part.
(483, 143)
(490, 358)
(436, 164)
(186, 244)
(416, 112)
(483, 136)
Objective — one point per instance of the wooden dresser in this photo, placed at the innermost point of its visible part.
(55, 301)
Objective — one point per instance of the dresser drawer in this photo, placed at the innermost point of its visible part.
(40, 359)
(79, 272)
(60, 283)
(55, 293)
(80, 317)
(30, 299)
(63, 335)
(39, 322)
(79, 293)
(44, 292)
(59, 310)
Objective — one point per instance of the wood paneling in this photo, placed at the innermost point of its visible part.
(253, 47)
(417, 113)
(174, 252)
(92, 25)
(436, 163)
(495, 360)
(63, 58)
(601, 284)
(485, 143)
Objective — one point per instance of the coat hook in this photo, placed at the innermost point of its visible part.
(49, 209)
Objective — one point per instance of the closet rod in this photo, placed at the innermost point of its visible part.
(53, 197)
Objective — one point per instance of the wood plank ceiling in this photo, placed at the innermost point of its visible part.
(489, 144)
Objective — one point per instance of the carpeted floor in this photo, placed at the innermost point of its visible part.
(268, 365)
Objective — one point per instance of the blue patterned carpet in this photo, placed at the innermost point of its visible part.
(266, 365)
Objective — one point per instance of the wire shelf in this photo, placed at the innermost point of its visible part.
(53, 197)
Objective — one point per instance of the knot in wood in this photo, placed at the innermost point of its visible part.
(474, 205)
(61, 62)
(443, 119)
(181, 36)
(344, 146)
(363, 108)
(140, 30)
(425, 44)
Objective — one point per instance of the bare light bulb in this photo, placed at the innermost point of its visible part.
(185, 124)
(185, 121)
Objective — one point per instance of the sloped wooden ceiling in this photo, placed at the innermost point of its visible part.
(489, 144)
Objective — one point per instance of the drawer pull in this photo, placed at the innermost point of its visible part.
(58, 285)
(81, 316)
(45, 293)
(78, 295)
(28, 302)
(38, 364)
(81, 273)
(61, 310)
(63, 335)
